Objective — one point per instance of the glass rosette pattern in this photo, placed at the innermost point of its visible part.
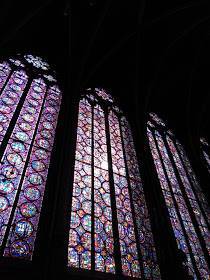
(102, 233)
(29, 107)
(79, 249)
(16, 152)
(205, 152)
(23, 230)
(186, 214)
(10, 98)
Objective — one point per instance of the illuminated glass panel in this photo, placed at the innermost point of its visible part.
(185, 202)
(109, 224)
(28, 115)
(205, 151)
(5, 71)
(24, 224)
(10, 98)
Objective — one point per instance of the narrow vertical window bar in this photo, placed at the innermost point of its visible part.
(140, 258)
(117, 252)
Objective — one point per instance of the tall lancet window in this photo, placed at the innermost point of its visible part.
(206, 152)
(29, 106)
(110, 230)
(186, 205)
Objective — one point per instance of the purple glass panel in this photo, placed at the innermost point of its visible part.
(193, 239)
(10, 98)
(79, 249)
(190, 194)
(104, 243)
(23, 230)
(16, 152)
(129, 255)
(148, 253)
(4, 73)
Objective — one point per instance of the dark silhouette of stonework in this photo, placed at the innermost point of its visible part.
(154, 57)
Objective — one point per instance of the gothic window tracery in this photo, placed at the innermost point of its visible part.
(110, 229)
(29, 107)
(186, 205)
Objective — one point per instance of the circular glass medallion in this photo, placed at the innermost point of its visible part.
(54, 97)
(9, 171)
(51, 110)
(8, 101)
(46, 134)
(34, 103)
(19, 249)
(31, 110)
(37, 89)
(5, 186)
(14, 159)
(38, 165)
(86, 222)
(21, 136)
(5, 109)
(15, 87)
(3, 203)
(49, 117)
(28, 209)
(36, 95)
(35, 179)
(11, 94)
(32, 193)
(25, 126)
(3, 118)
(52, 102)
(43, 143)
(23, 228)
(28, 118)
(41, 154)
(47, 125)
(18, 146)
(18, 81)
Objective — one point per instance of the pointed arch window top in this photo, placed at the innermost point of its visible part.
(157, 119)
(188, 209)
(37, 61)
(103, 94)
(110, 230)
(29, 108)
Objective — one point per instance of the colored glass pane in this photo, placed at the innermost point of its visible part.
(25, 104)
(102, 201)
(185, 202)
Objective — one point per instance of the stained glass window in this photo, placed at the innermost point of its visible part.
(187, 207)
(110, 229)
(206, 152)
(29, 107)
